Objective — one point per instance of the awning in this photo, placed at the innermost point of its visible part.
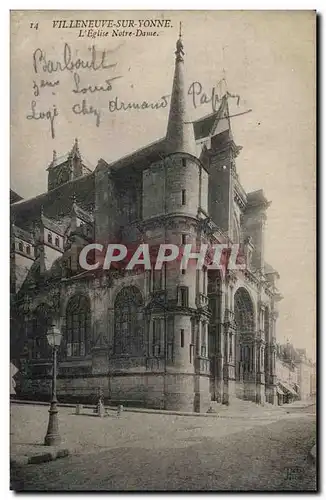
(279, 391)
(288, 388)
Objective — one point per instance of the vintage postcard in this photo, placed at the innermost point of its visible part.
(162, 251)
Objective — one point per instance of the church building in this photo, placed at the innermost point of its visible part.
(170, 339)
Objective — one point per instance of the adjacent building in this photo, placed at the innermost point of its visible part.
(295, 374)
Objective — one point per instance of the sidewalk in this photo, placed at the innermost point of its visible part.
(236, 410)
(88, 433)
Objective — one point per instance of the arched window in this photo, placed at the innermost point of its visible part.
(28, 250)
(244, 312)
(50, 238)
(129, 323)
(245, 330)
(57, 241)
(78, 326)
(42, 320)
(21, 246)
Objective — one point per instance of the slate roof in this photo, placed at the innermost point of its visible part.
(57, 227)
(14, 196)
(204, 126)
(82, 214)
(157, 150)
(59, 201)
(55, 203)
(23, 235)
(149, 154)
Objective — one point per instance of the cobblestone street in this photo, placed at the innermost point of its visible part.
(141, 451)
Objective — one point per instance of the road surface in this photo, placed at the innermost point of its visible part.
(271, 457)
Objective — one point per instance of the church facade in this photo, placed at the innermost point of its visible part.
(166, 338)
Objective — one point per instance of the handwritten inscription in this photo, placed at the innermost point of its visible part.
(200, 97)
(43, 84)
(117, 105)
(84, 108)
(49, 115)
(79, 89)
(103, 89)
(96, 61)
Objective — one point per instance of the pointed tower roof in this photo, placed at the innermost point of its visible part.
(180, 133)
(74, 152)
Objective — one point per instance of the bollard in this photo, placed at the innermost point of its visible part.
(119, 410)
(78, 409)
(100, 410)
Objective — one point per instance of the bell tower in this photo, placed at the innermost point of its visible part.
(181, 186)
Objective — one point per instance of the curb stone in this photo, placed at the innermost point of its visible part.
(40, 457)
(152, 410)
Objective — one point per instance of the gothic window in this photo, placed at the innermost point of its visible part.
(28, 250)
(157, 279)
(21, 247)
(192, 341)
(57, 242)
(244, 312)
(78, 326)
(129, 323)
(157, 332)
(182, 338)
(183, 296)
(50, 238)
(203, 339)
(170, 337)
(230, 347)
(42, 320)
(245, 328)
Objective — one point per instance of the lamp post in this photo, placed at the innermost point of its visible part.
(52, 437)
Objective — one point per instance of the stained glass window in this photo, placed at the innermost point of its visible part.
(129, 322)
(78, 326)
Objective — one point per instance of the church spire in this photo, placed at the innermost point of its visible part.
(180, 131)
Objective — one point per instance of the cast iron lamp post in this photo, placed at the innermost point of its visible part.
(52, 437)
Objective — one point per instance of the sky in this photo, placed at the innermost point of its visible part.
(267, 57)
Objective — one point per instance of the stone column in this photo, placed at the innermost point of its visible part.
(252, 390)
(219, 347)
(260, 376)
(272, 379)
(229, 391)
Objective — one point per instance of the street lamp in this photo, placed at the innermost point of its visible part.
(52, 437)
